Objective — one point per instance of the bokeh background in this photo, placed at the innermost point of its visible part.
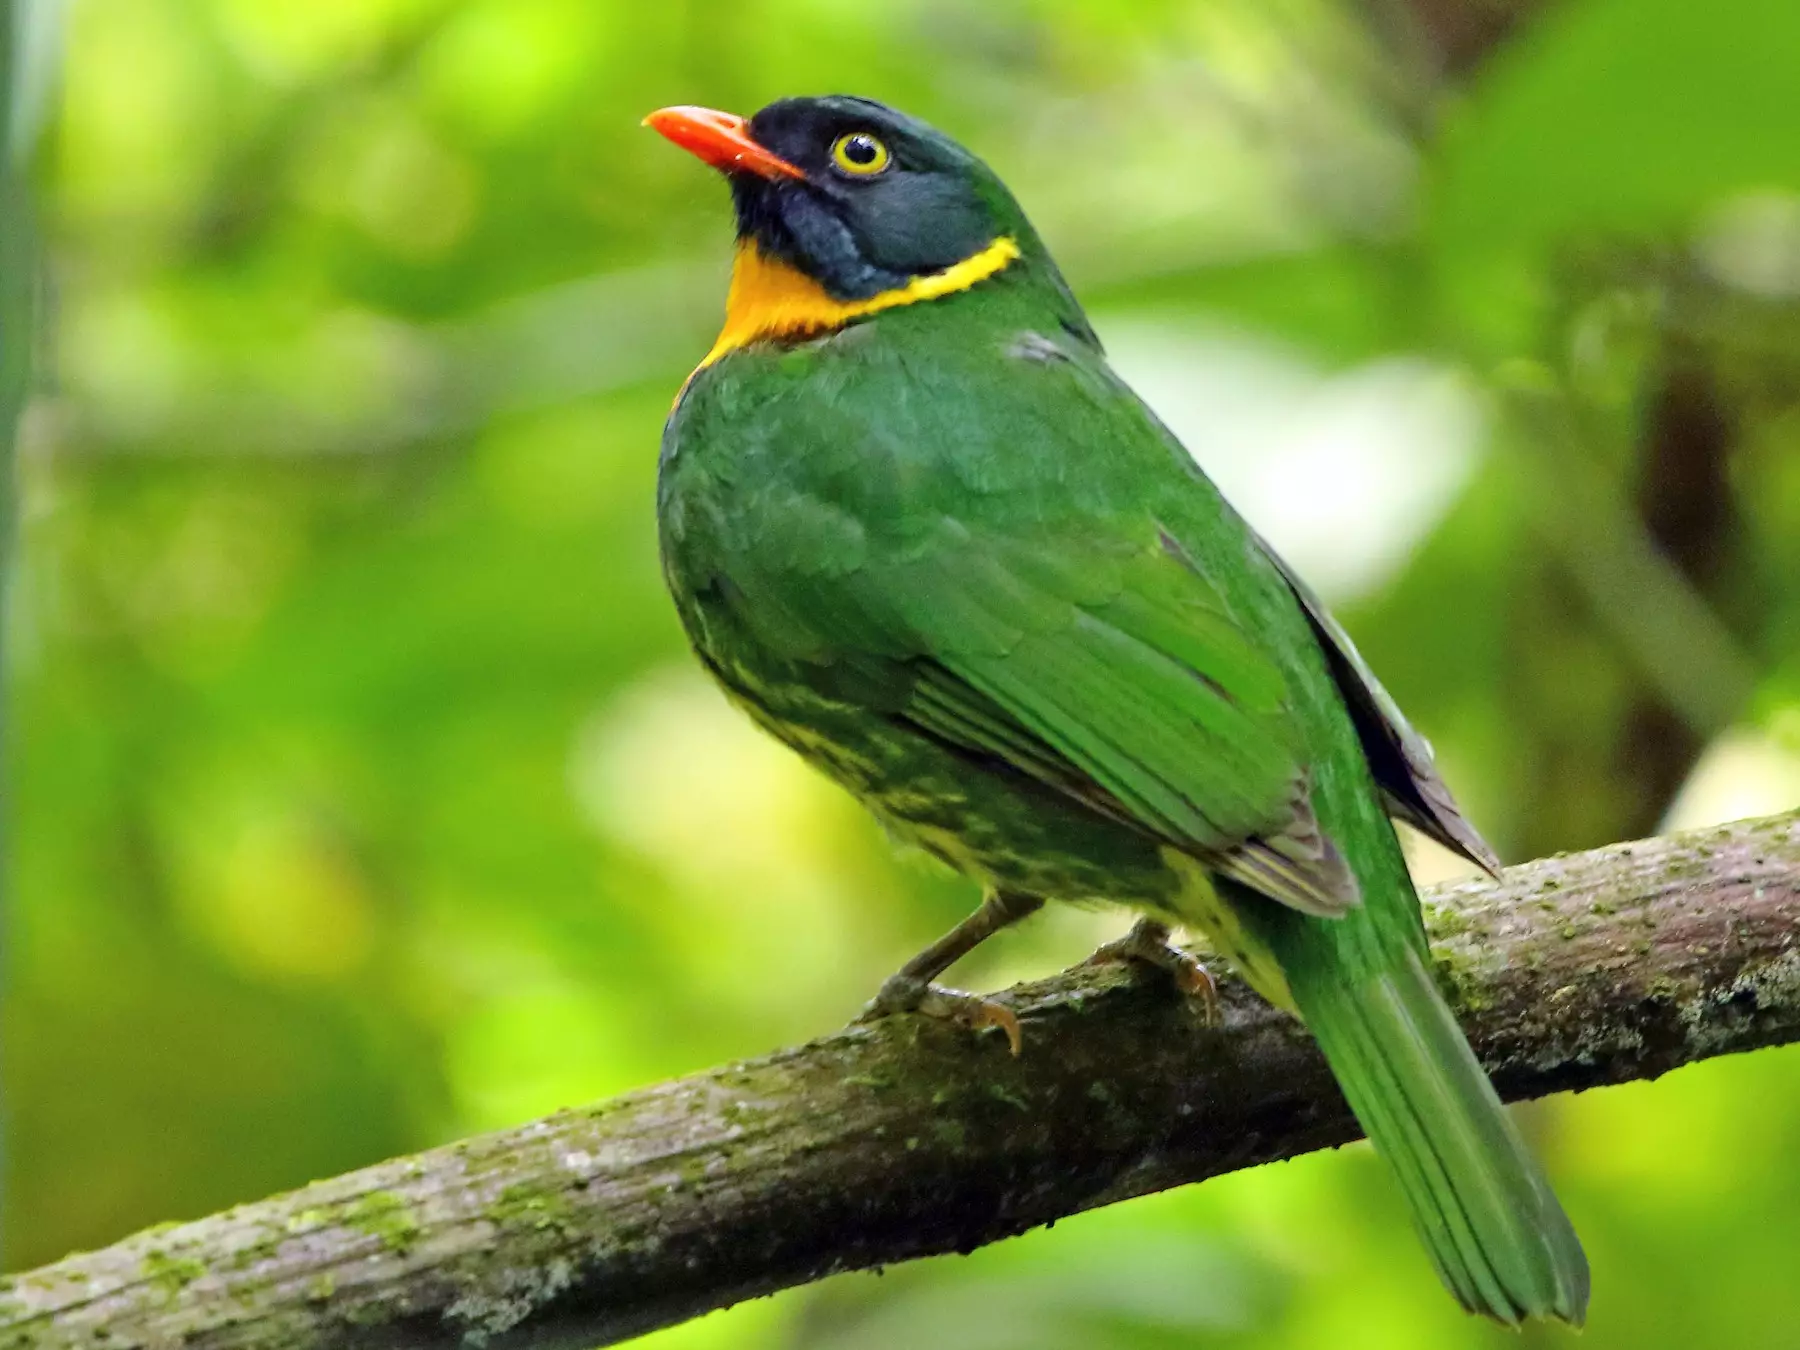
(363, 794)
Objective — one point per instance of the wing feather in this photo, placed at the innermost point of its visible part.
(1123, 681)
(1411, 787)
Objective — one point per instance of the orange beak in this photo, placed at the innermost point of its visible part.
(722, 140)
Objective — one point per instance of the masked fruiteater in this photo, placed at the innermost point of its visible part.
(919, 529)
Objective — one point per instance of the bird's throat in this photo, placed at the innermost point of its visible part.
(772, 301)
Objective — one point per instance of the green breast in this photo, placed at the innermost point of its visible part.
(796, 483)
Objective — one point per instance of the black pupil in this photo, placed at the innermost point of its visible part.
(860, 150)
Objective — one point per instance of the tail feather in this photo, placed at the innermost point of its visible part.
(1498, 1237)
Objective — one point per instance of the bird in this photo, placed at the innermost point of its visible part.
(918, 528)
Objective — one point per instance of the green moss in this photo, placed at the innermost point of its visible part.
(1445, 922)
(530, 1208)
(260, 1250)
(385, 1217)
(1458, 979)
(169, 1273)
(1001, 1093)
(322, 1287)
(369, 1314)
(950, 1133)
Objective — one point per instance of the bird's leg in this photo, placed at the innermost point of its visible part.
(1148, 944)
(910, 989)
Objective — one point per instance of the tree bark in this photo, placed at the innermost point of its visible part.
(879, 1144)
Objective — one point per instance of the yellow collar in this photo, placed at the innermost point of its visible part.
(770, 299)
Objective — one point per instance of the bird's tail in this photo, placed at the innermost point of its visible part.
(1499, 1239)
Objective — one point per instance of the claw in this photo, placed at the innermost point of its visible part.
(905, 994)
(974, 1012)
(1148, 944)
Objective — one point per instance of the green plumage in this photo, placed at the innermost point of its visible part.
(948, 556)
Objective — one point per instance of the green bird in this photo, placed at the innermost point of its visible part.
(918, 529)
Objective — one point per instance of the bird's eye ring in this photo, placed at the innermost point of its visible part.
(859, 154)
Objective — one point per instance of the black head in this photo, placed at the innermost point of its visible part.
(856, 195)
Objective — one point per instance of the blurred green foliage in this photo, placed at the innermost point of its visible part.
(363, 794)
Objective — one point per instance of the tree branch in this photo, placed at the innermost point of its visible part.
(879, 1144)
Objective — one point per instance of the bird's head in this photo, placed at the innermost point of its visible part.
(857, 206)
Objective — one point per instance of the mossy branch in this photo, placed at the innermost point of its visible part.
(878, 1144)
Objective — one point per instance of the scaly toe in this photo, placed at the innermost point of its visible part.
(898, 994)
(1148, 944)
(1195, 981)
(904, 994)
(974, 1012)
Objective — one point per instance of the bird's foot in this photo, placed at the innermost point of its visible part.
(1148, 944)
(907, 993)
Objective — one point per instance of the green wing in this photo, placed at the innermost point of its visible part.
(1104, 666)
(1400, 758)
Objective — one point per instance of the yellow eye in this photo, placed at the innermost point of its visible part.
(859, 153)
